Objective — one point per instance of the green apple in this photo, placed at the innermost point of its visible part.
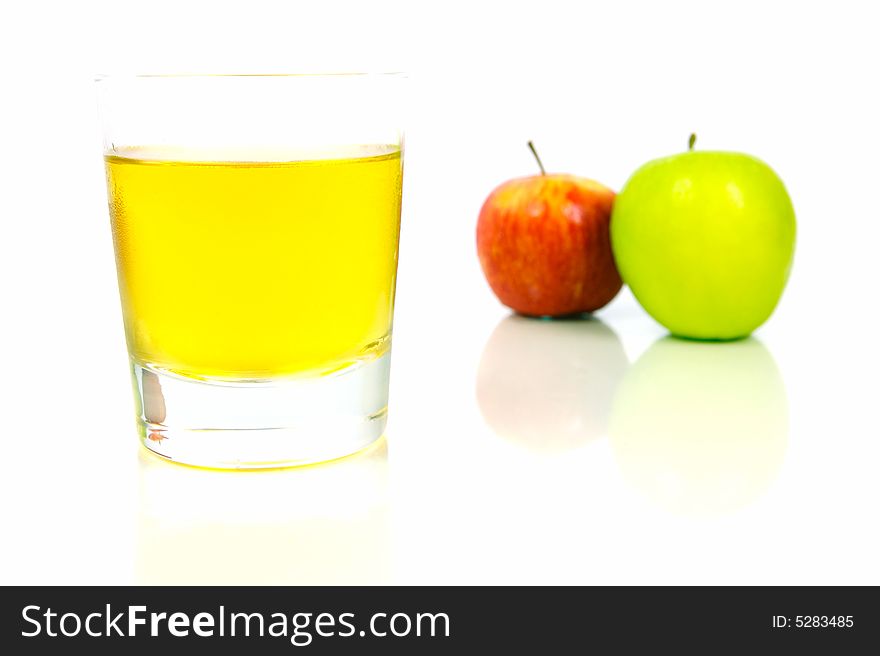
(705, 240)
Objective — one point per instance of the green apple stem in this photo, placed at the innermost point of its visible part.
(692, 140)
(535, 153)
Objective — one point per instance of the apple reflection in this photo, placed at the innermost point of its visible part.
(548, 385)
(701, 428)
(321, 524)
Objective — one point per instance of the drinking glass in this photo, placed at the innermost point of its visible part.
(255, 222)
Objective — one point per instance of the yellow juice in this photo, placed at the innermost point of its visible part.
(250, 270)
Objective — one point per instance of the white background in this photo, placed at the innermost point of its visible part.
(751, 486)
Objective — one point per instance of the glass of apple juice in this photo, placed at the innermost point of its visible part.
(255, 221)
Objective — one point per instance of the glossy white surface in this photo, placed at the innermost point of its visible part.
(518, 451)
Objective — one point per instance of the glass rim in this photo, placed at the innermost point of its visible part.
(111, 77)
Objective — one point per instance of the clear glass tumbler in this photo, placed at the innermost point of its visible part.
(255, 221)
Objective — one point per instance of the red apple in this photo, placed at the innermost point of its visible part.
(544, 244)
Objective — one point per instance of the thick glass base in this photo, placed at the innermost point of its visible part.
(262, 424)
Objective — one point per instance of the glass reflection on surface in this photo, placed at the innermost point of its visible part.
(319, 524)
(701, 427)
(548, 385)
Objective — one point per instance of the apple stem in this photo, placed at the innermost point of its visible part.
(535, 153)
(692, 140)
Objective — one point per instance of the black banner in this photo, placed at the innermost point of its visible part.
(416, 620)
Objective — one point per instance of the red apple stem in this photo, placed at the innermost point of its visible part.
(535, 153)
(692, 140)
